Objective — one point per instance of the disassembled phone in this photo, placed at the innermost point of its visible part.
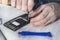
(2, 37)
(21, 20)
(17, 22)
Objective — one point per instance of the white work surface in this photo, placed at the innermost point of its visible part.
(7, 13)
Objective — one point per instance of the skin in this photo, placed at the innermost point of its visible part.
(48, 13)
(24, 5)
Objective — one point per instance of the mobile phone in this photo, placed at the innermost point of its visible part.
(18, 22)
(2, 37)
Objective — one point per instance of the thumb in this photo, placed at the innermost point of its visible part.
(37, 11)
(30, 4)
(13, 3)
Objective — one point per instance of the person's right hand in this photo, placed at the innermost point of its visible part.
(46, 14)
(24, 5)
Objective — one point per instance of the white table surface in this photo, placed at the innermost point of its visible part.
(7, 13)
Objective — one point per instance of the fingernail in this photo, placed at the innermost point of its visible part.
(30, 12)
(29, 15)
(18, 7)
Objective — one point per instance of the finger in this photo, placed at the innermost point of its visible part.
(30, 4)
(13, 3)
(43, 21)
(37, 11)
(41, 16)
(51, 20)
(19, 4)
(24, 5)
(0, 1)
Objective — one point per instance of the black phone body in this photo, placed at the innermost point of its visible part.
(18, 22)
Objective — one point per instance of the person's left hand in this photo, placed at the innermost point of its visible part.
(24, 5)
(48, 13)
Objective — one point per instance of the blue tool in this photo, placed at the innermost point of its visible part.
(27, 33)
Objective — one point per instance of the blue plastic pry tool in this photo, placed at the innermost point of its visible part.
(27, 33)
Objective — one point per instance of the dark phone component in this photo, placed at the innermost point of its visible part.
(17, 22)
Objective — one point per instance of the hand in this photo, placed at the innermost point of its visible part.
(25, 5)
(48, 13)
